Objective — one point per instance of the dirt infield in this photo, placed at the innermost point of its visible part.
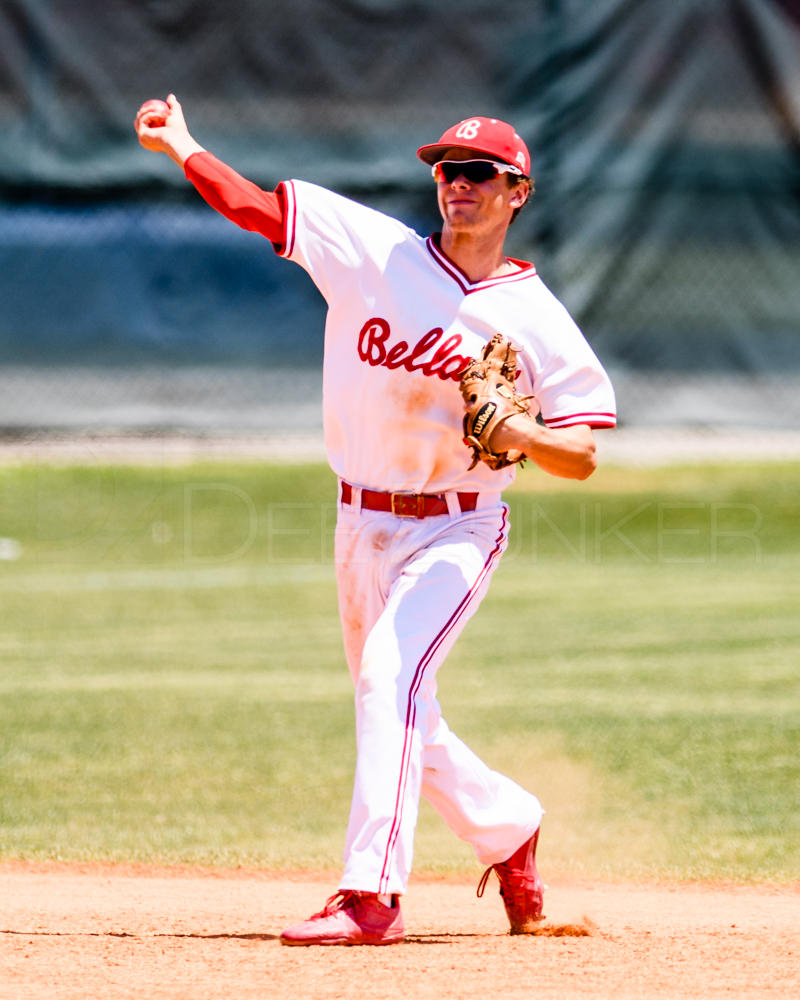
(72, 932)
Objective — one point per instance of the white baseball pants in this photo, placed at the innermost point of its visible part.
(406, 588)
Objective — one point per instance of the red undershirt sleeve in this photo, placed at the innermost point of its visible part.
(238, 199)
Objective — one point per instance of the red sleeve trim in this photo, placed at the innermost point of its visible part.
(288, 198)
(592, 419)
(238, 199)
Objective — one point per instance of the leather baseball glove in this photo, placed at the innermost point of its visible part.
(490, 397)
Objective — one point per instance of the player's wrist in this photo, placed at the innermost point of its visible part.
(182, 148)
(519, 432)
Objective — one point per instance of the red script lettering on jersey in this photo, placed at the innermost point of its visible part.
(374, 348)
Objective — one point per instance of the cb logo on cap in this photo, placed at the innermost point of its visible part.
(468, 129)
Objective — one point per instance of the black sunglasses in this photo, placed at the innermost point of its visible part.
(474, 171)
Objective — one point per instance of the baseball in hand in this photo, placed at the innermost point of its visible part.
(153, 114)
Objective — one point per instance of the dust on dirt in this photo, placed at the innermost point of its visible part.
(102, 932)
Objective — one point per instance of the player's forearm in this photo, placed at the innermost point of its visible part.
(181, 147)
(568, 452)
(237, 198)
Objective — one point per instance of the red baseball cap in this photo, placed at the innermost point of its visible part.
(489, 136)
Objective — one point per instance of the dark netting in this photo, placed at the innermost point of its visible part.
(666, 148)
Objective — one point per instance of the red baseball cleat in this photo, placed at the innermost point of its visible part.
(520, 886)
(350, 918)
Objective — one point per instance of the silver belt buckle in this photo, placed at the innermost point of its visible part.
(408, 505)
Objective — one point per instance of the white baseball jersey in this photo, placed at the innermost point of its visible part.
(402, 321)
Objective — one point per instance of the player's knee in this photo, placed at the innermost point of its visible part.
(370, 683)
(378, 691)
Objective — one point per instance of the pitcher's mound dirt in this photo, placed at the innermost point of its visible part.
(72, 932)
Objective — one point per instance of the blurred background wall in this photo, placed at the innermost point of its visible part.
(666, 150)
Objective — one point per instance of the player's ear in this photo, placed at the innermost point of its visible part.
(519, 195)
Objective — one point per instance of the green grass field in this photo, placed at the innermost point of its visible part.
(172, 686)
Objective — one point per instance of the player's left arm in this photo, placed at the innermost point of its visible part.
(568, 452)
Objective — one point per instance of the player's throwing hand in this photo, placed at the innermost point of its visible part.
(161, 128)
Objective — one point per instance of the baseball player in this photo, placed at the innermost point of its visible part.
(420, 528)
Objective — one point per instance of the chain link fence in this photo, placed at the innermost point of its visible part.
(666, 150)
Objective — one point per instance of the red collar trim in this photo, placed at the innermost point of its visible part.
(527, 270)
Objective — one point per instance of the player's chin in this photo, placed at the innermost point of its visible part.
(461, 217)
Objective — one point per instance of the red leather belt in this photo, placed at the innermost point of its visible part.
(408, 504)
